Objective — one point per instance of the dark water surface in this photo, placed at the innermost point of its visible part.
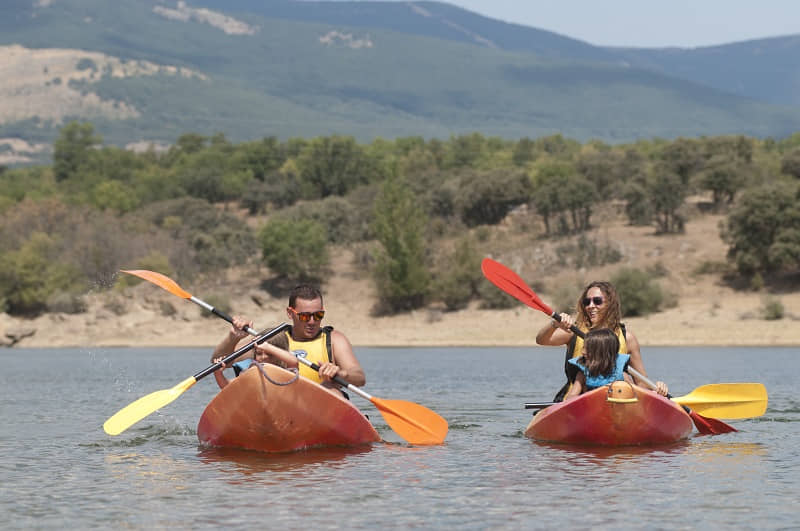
(58, 469)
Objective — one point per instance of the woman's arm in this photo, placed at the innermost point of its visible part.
(556, 332)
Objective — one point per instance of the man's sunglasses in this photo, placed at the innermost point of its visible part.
(306, 316)
(598, 301)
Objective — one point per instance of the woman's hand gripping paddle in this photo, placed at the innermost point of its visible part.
(508, 281)
(413, 422)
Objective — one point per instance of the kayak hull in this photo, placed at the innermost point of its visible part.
(617, 415)
(256, 412)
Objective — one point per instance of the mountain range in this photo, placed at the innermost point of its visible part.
(151, 70)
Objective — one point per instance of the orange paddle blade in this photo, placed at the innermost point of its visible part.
(160, 280)
(413, 422)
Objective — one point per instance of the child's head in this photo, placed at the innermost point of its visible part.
(600, 351)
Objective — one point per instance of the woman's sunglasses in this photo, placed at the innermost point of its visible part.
(598, 301)
(306, 316)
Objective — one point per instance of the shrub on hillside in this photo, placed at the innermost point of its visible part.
(772, 309)
(459, 274)
(32, 274)
(639, 294)
(295, 249)
(401, 275)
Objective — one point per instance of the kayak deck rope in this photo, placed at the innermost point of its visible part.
(296, 372)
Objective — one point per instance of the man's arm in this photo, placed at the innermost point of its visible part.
(343, 356)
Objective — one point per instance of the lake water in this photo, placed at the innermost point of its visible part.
(58, 469)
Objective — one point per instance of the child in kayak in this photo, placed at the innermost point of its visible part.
(263, 353)
(601, 364)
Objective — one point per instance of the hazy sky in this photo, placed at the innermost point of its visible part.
(649, 23)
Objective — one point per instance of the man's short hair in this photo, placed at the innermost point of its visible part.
(305, 292)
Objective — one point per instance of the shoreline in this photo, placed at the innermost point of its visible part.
(686, 325)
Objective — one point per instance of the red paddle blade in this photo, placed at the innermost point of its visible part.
(710, 426)
(508, 281)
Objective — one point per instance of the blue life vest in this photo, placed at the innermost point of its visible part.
(243, 365)
(593, 382)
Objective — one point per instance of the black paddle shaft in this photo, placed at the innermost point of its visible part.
(574, 329)
(257, 341)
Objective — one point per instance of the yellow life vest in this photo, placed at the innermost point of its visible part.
(317, 350)
(577, 350)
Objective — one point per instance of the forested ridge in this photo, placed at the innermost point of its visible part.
(150, 70)
(417, 214)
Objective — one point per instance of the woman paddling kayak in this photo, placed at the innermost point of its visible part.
(597, 307)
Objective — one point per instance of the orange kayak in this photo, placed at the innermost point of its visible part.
(619, 414)
(280, 412)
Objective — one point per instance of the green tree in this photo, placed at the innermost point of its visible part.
(763, 229)
(295, 249)
(724, 178)
(464, 151)
(401, 276)
(32, 274)
(458, 275)
(486, 197)
(666, 192)
(524, 151)
(72, 149)
(546, 191)
(683, 157)
(790, 163)
(332, 166)
(638, 293)
(261, 158)
(560, 192)
(637, 204)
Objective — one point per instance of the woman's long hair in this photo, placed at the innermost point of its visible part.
(610, 315)
(602, 347)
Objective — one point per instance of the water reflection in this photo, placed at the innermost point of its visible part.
(600, 453)
(244, 464)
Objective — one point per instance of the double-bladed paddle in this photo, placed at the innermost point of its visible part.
(725, 400)
(508, 281)
(413, 422)
(136, 411)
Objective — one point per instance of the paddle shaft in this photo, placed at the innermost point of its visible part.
(220, 313)
(543, 405)
(539, 405)
(245, 348)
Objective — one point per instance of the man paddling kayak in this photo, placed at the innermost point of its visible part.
(328, 348)
(597, 307)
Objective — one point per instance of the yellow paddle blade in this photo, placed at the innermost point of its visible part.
(413, 422)
(727, 400)
(159, 280)
(136, 411)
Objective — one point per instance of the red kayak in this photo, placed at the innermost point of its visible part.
(278, 411)
(619, 414)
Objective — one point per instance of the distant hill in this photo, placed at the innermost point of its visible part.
(766, 70)
(152, 70)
